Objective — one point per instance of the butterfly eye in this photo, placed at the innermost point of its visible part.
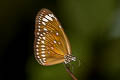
(51, 45)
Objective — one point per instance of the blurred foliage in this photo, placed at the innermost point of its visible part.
(92, 26)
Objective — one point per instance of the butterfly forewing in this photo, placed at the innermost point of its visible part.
(51, 43)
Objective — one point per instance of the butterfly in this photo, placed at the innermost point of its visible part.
(51, 45)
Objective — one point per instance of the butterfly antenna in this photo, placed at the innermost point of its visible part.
(81, 60)
(69, 71)
(72, 69)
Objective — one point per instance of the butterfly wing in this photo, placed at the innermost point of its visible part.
(51, 43)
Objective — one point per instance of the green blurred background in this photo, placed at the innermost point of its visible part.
(92, 26)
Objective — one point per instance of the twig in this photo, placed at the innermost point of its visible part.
(70, 73)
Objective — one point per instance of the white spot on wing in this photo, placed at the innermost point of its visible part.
(38, 42)
(42, 48)
(41, 34)
(37, 53)
(43, 55)
(38, 26)
(49, 18)
(42, 45)
(52, 48)
(43, 23)
(60, 26)
(43, 52)
(37, 49)
(37, 46)
(41, 14)
(44, 59)
(57, 33)
(38, 39)
(45, 29)
(44, 33)
(51, 15)
(41, 61)
(38, 56)
(43, 38)
(59, 43)
(38, 29)
(43, 42)
(38, 33)
(44, 19)
(54, 41)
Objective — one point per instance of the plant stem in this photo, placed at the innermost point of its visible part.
(70, 73)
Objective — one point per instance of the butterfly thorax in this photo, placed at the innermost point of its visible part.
(68, 58)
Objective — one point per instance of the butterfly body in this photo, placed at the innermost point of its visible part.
(51, 45)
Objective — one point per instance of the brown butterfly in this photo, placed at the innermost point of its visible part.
(51, 45)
